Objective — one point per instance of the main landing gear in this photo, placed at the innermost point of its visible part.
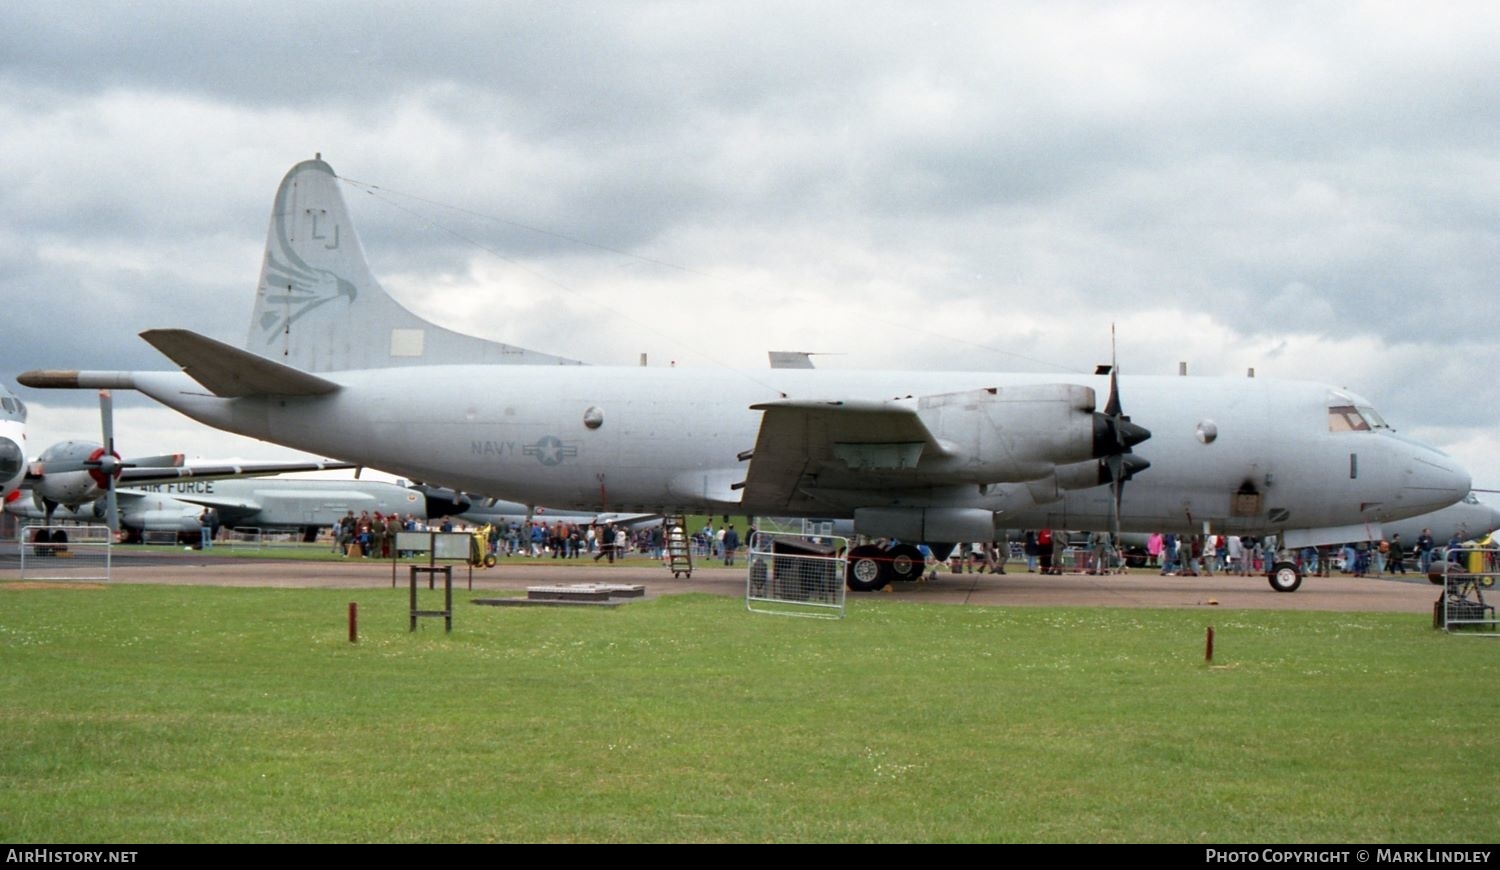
(873, 567)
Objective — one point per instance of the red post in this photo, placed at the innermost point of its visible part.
(353, 622)
(1208, 645)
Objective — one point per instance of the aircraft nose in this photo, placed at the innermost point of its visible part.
(1435, 481)
(12, 460)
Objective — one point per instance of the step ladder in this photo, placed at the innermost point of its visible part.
(679, 547)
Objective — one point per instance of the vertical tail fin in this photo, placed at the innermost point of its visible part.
(319, 308)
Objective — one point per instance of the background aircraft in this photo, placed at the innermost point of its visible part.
(1470, 519)
(335, 366)
(83, 477)
(443, 501)
(12, 444)
(306, 505)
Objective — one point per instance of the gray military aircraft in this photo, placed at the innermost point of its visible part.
(72, 474)
(1470, 519)
(12, 445)
(443, 501)
(334, 365)
(307, 504)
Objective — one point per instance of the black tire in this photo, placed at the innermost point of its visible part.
(760, 579)
(489, 560)
(868, 569)
(906, 563)
(1285, 577)
(40, 541)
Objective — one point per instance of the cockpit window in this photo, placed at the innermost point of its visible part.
(1344, 418)
(1354, 418)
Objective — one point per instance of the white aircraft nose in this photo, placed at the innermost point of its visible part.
(12, 463)
(1435, 481)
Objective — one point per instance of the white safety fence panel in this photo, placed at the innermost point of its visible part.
(1469, 575)
(796, 575)
(61, 552)
(245, 538)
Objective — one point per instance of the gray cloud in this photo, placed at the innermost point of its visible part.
(954, 185)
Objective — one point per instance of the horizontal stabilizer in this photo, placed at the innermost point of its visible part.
(229, 372)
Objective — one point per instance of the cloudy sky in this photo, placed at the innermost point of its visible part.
(1309, 189)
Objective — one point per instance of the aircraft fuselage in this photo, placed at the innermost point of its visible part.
(664, 440)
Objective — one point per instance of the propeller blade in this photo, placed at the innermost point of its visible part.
(107, 418)
(111, 508)
(1112, 407)
(109, 461)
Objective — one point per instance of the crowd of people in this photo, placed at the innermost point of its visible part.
(367, 535)
(1045, 551)
(374, 535)
(1049, 551)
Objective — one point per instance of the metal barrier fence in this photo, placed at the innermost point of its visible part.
(247, 538)
(65, 552)
(1467, 573)
(796, 575)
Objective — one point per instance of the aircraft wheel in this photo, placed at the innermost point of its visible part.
(868, 569)
(1285, 577)
(906, 562)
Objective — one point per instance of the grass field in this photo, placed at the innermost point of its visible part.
(151, 714)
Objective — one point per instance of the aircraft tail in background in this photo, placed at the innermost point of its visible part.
(318, 308)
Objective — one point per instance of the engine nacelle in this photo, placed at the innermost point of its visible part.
(1010, 433)
(926, 524)
(165, 520)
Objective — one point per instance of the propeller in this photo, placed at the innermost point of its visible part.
(1114, 438)
(104, 464)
